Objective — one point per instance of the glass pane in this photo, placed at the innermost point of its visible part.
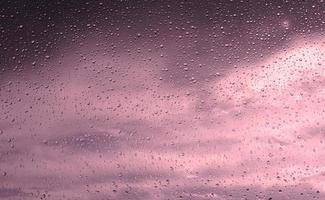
(162, 99)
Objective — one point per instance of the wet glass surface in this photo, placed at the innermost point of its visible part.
(162, 99)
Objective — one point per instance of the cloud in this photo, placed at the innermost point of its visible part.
(114, 128)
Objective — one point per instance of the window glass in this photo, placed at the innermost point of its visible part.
(162, 99)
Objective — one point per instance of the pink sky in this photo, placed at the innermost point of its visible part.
(90, 127)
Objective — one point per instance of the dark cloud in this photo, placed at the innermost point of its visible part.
(12, 192)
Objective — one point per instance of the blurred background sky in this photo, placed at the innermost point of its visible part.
(158, 99)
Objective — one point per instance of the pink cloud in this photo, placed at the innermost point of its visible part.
(104, 128)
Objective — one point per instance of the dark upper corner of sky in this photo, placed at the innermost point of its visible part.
(30, 28)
